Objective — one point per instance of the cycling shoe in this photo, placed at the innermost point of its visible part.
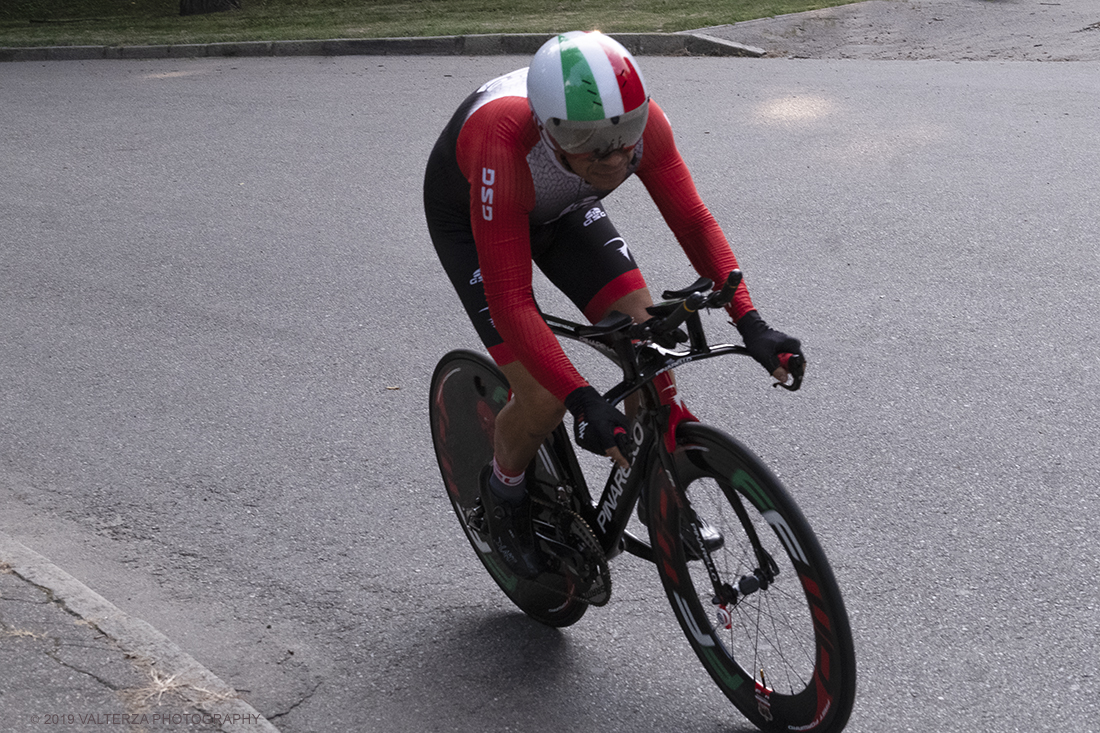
(511, 534)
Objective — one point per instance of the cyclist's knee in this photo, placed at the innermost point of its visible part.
(534, 401)
(541, 410)
(633, 304)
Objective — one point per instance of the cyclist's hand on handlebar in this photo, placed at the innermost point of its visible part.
(767, 345)
(597, 426)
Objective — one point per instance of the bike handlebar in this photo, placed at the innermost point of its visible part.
(663, 329)
(679, 305)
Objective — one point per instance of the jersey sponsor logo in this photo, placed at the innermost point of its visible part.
(623, 249)
(488, 178)
(477, 277)
(594, 214)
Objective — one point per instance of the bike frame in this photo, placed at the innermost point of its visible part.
(608, 518)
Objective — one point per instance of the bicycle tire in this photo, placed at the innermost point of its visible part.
(467, 392)
(784, 654)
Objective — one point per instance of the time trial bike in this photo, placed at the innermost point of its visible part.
(746, 577)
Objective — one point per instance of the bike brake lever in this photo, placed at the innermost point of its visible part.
(795, 364)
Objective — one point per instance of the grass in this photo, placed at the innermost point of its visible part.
(158, 685)
(142, 22)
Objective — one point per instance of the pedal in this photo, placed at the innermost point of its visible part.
(712, 538)
(475, 518)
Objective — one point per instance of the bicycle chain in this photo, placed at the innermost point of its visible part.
(598, 592)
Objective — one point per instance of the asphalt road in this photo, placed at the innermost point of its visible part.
(940, 30)
(219, 313)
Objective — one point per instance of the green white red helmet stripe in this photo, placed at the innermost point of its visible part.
(587, 93)
(598, 82)
(627, 77)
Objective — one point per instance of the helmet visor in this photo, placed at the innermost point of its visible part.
(599, 136)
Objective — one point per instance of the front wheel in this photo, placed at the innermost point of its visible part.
(760, 606)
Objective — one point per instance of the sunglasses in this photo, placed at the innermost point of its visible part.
(596, 157)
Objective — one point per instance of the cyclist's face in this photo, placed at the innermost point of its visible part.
(606, 171)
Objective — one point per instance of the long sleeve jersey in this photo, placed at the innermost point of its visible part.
(516, 181)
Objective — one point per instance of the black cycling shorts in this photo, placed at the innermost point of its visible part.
(581, 253)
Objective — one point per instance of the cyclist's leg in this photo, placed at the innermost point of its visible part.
(633, 304)
(502, 491)
(526, 421)
(584, 255)
(532, 413)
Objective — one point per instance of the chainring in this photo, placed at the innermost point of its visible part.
(573, 550)
(573, 553)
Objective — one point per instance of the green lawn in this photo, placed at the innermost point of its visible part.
(138, 22)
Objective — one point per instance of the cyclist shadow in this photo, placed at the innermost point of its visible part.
(550, 674)
(518, 651)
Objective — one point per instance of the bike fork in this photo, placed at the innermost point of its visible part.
(728, 594)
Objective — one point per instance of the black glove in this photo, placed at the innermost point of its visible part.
(764, 343)
(597, 426)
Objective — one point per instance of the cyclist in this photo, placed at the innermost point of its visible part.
(517, 178)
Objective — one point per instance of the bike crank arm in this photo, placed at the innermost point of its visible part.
(574, 548)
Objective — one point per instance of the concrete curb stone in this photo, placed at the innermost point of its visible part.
(137, 642)
(518, 44)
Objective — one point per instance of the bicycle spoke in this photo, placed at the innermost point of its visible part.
(757, 636)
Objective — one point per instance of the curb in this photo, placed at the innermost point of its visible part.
(495, 44)
(200, 686)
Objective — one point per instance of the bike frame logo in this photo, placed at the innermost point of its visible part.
(618, 481)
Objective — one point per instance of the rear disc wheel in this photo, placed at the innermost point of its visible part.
(467, 392)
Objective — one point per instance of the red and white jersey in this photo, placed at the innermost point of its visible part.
(516, 181)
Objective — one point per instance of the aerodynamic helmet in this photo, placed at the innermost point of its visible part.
(587, 93)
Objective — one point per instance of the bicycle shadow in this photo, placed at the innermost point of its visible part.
(517, 651)
(513, 673)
